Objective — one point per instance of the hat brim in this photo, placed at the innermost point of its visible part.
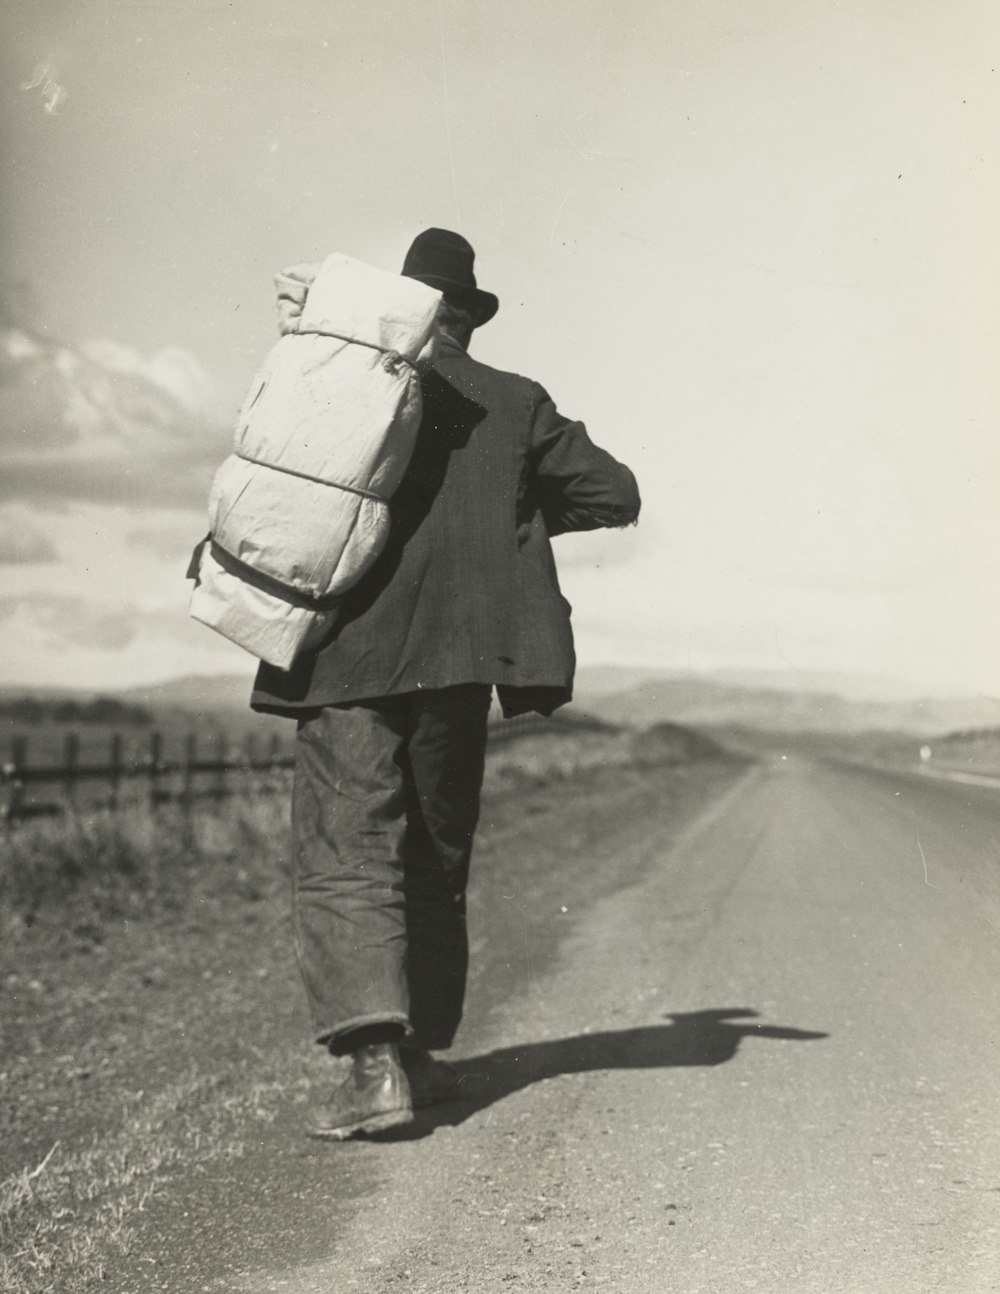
(484, 305)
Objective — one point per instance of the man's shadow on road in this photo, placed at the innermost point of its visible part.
(693, 1038)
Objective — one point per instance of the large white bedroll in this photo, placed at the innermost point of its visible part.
(299, 511)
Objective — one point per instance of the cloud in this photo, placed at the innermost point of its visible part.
(22, 543)
(102, 423)
(74, 621)
(67, 620)
(53, 95)
(169, 541)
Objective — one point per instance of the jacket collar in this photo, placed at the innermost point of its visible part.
(448, 347)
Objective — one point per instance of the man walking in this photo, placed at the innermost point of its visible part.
(392, 709)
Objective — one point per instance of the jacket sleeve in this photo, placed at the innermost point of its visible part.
(576, 484)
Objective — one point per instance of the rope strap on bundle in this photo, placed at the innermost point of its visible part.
(390, 358)
(316, 480)
(269, 583)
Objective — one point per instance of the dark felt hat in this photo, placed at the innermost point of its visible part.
(444, 260)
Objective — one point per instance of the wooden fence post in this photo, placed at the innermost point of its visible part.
(273, 756)
(187, 770)
(115, 770)
(18, 763)
(71, 761)
(155, 760)
(221, 750)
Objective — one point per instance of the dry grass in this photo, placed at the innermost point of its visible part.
(76, 873)
(64, 884)
(64, 1220)
(551, 756)
(80, 871)
(977, 751)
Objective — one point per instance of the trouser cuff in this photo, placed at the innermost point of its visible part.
(364, 1031)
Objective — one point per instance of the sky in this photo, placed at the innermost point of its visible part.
(751, 245)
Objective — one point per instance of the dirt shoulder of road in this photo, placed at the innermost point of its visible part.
(155, 1072)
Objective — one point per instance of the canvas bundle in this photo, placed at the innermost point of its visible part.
(299, 511)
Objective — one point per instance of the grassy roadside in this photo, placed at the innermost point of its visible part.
(80, 874)
(107, 936)
(60, 1220)
(139, 1059)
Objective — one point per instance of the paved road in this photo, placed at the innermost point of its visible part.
(773, 1065)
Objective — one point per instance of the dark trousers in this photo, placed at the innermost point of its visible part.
(384, 809)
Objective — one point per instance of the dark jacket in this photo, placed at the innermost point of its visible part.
(466, 589)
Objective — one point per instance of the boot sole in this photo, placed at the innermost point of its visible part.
(374, 1123)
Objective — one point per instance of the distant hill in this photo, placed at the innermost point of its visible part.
(603, 680)
(195, 693)
(852, 687)
(711, 701)
(641, 697)
(795, 702)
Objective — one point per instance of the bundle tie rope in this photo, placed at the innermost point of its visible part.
(316, 480)
(390, 357)
(266, 583)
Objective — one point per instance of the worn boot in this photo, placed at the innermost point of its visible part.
(431, 1081)
(373, 1097)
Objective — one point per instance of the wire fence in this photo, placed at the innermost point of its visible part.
(159, 771)
(161, 768)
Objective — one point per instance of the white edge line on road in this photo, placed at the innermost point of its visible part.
(971, 779)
